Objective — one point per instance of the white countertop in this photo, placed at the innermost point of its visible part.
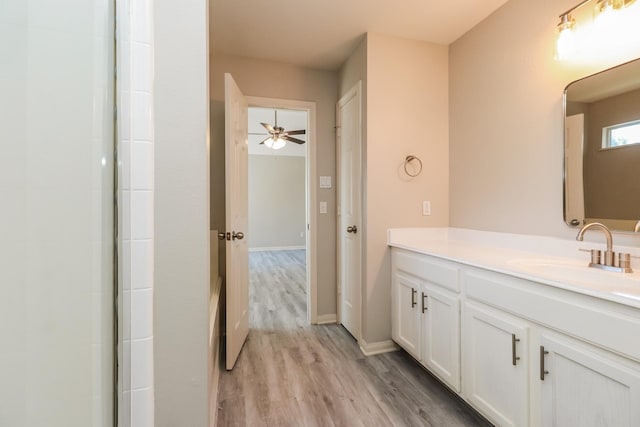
(552, 261)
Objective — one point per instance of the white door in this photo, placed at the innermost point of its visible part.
(406, 313)
(583, 386)
(349, 206)
(494, 365)
(441, 333)
(236, 200)
(574, 181)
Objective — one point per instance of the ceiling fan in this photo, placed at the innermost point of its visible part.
(278, 136)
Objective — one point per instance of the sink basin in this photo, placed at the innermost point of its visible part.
(574, 271)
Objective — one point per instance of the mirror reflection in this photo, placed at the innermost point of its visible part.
(602, 149)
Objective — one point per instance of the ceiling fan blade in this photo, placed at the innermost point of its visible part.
(296, 140)
(268, 127)
(296, 132)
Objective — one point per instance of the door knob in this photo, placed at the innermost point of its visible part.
(239, 235)
(352, 229)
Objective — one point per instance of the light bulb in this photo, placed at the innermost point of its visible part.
(605, 15)
(565, 40)
(564, 44)
(269, 143)
(278, 144)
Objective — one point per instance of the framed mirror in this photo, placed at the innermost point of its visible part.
(602, 148)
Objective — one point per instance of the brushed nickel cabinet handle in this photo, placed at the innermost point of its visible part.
(543, 371)
(239, 235)
(413, 297)
(352, 229)
(222, 236)
(514, 358)
(424, 307)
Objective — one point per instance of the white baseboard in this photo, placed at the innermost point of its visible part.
(326, 319)
(370, 349)
(278, 248)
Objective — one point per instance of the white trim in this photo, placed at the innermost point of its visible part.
(370, 349)
(326, 319)
(278, 248)
(312, 268)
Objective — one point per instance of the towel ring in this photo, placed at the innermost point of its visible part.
(408, 160)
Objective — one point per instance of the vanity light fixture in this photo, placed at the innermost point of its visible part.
(564, 37)
(564, 33)
(604, 6)
(604, 16)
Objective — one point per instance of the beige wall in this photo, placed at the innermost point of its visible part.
(506, 121)
(406, 108)
(611, 177)
(275, 80)
(277, 217)
(181, 293)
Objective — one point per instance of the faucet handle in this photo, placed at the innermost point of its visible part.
(624, 260)
(596, 255)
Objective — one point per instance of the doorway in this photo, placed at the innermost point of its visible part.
(277, 217)
(237, 212)
(294, 249)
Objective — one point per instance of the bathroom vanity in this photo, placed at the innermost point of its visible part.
(519, 326)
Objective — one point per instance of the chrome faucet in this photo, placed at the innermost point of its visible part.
(622, 264)
(637, 229)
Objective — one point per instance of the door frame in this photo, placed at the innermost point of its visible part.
(311, 193)
(355, 89)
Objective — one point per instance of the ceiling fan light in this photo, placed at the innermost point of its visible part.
(269, 142)
(278, 144)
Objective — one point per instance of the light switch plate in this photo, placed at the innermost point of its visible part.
(325, 182)
(426, 208)
(323, 207)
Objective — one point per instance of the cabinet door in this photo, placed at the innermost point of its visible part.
(585, 386)
(441, 334)
(494, 364)
(406, 313)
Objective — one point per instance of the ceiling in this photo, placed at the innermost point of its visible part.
(322, 33)
(288, 119)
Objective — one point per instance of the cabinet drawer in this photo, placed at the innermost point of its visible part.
(427, 268)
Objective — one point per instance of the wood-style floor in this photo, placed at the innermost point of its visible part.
(291, 373)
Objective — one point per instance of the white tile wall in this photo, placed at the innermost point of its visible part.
(135, 153)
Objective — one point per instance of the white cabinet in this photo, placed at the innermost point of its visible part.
(586, 386)
(441, 333)
(426, 315)
(520, 352)
(495, 364)
(405, 313)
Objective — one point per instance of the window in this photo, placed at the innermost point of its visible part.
(621, 134)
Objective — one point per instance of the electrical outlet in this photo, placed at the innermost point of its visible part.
(426, 208)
